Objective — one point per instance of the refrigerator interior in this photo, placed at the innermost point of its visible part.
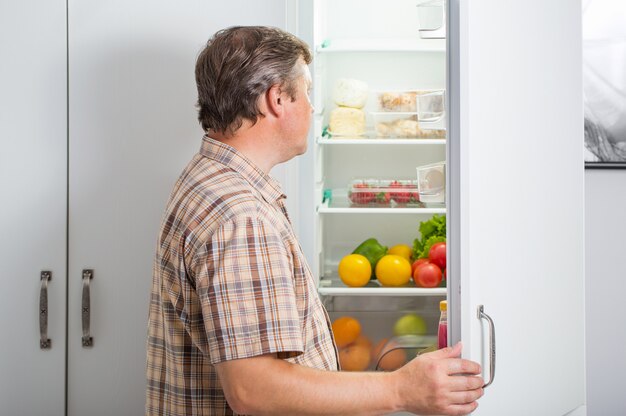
(380, 44)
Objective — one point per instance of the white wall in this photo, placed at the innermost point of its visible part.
(605, 256)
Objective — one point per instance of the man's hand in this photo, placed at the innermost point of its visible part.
(440, 383)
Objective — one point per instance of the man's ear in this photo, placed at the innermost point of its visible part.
(274, 101)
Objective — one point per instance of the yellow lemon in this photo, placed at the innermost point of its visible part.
(401, 250)
(393, 270)
(355, 270)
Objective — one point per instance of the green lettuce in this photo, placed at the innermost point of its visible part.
(431, 232)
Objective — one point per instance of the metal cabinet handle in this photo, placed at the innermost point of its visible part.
(492, 343)
(87, 339)
(44, 342)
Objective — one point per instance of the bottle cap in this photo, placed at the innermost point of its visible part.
(443, 305)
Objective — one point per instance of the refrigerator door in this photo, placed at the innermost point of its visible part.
(516, 200)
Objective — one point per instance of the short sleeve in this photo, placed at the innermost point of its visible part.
(246, 289)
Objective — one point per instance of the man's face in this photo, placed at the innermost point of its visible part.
(299, 114)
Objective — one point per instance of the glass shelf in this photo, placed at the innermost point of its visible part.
(333, 286)
(366, 140)
(340, 204)
(380, 45)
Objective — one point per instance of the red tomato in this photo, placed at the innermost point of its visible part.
(437, 254)
(445, 274)
(417, 263)
(427, 275)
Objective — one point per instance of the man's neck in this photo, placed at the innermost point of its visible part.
(254, 144)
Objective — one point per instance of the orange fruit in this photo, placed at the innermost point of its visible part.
(363, 340)
(355, 270)
(346, 330)
(401, 250)
(393, 270)
(391, 360)
(354, 357)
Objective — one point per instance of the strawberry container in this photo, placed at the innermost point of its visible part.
(383, 193)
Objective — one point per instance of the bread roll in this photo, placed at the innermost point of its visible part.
(398, 101)
(345, 121)
(350, 93)
(406, 127)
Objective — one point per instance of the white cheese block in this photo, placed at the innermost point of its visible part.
(350, 93)
(345, 121)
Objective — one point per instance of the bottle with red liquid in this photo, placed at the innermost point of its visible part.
(442, 334)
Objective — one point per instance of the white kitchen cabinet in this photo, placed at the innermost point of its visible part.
(97, 119)
(33, 161)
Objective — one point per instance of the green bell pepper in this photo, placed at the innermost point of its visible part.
(373, 251)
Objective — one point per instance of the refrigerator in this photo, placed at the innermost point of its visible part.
(508, 139)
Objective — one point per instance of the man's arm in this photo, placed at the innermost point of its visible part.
(266, 385)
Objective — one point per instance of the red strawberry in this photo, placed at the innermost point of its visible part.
(361, 197)
(403, 196)
(383, 198)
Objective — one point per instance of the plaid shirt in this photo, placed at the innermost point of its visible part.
(230, 281)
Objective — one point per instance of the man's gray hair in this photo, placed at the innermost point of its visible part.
(237, 66)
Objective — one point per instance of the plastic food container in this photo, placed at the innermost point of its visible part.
(430, 106)
(431, 19)
(398, 101)
(408, 101)
(385, 193)
(396, 124)
(431, 183)
(404, 125)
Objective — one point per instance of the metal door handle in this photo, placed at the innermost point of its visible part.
(87, 276)
(492, 344)
(44, 342)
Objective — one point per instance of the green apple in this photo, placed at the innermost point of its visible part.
(410, 324)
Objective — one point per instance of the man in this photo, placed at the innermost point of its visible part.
(236, 325)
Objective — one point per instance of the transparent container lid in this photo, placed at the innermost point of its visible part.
(430, 106)
(431, 182)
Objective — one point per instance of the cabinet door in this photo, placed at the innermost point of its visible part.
(516, 199)
(133, 127)
(33, 161)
